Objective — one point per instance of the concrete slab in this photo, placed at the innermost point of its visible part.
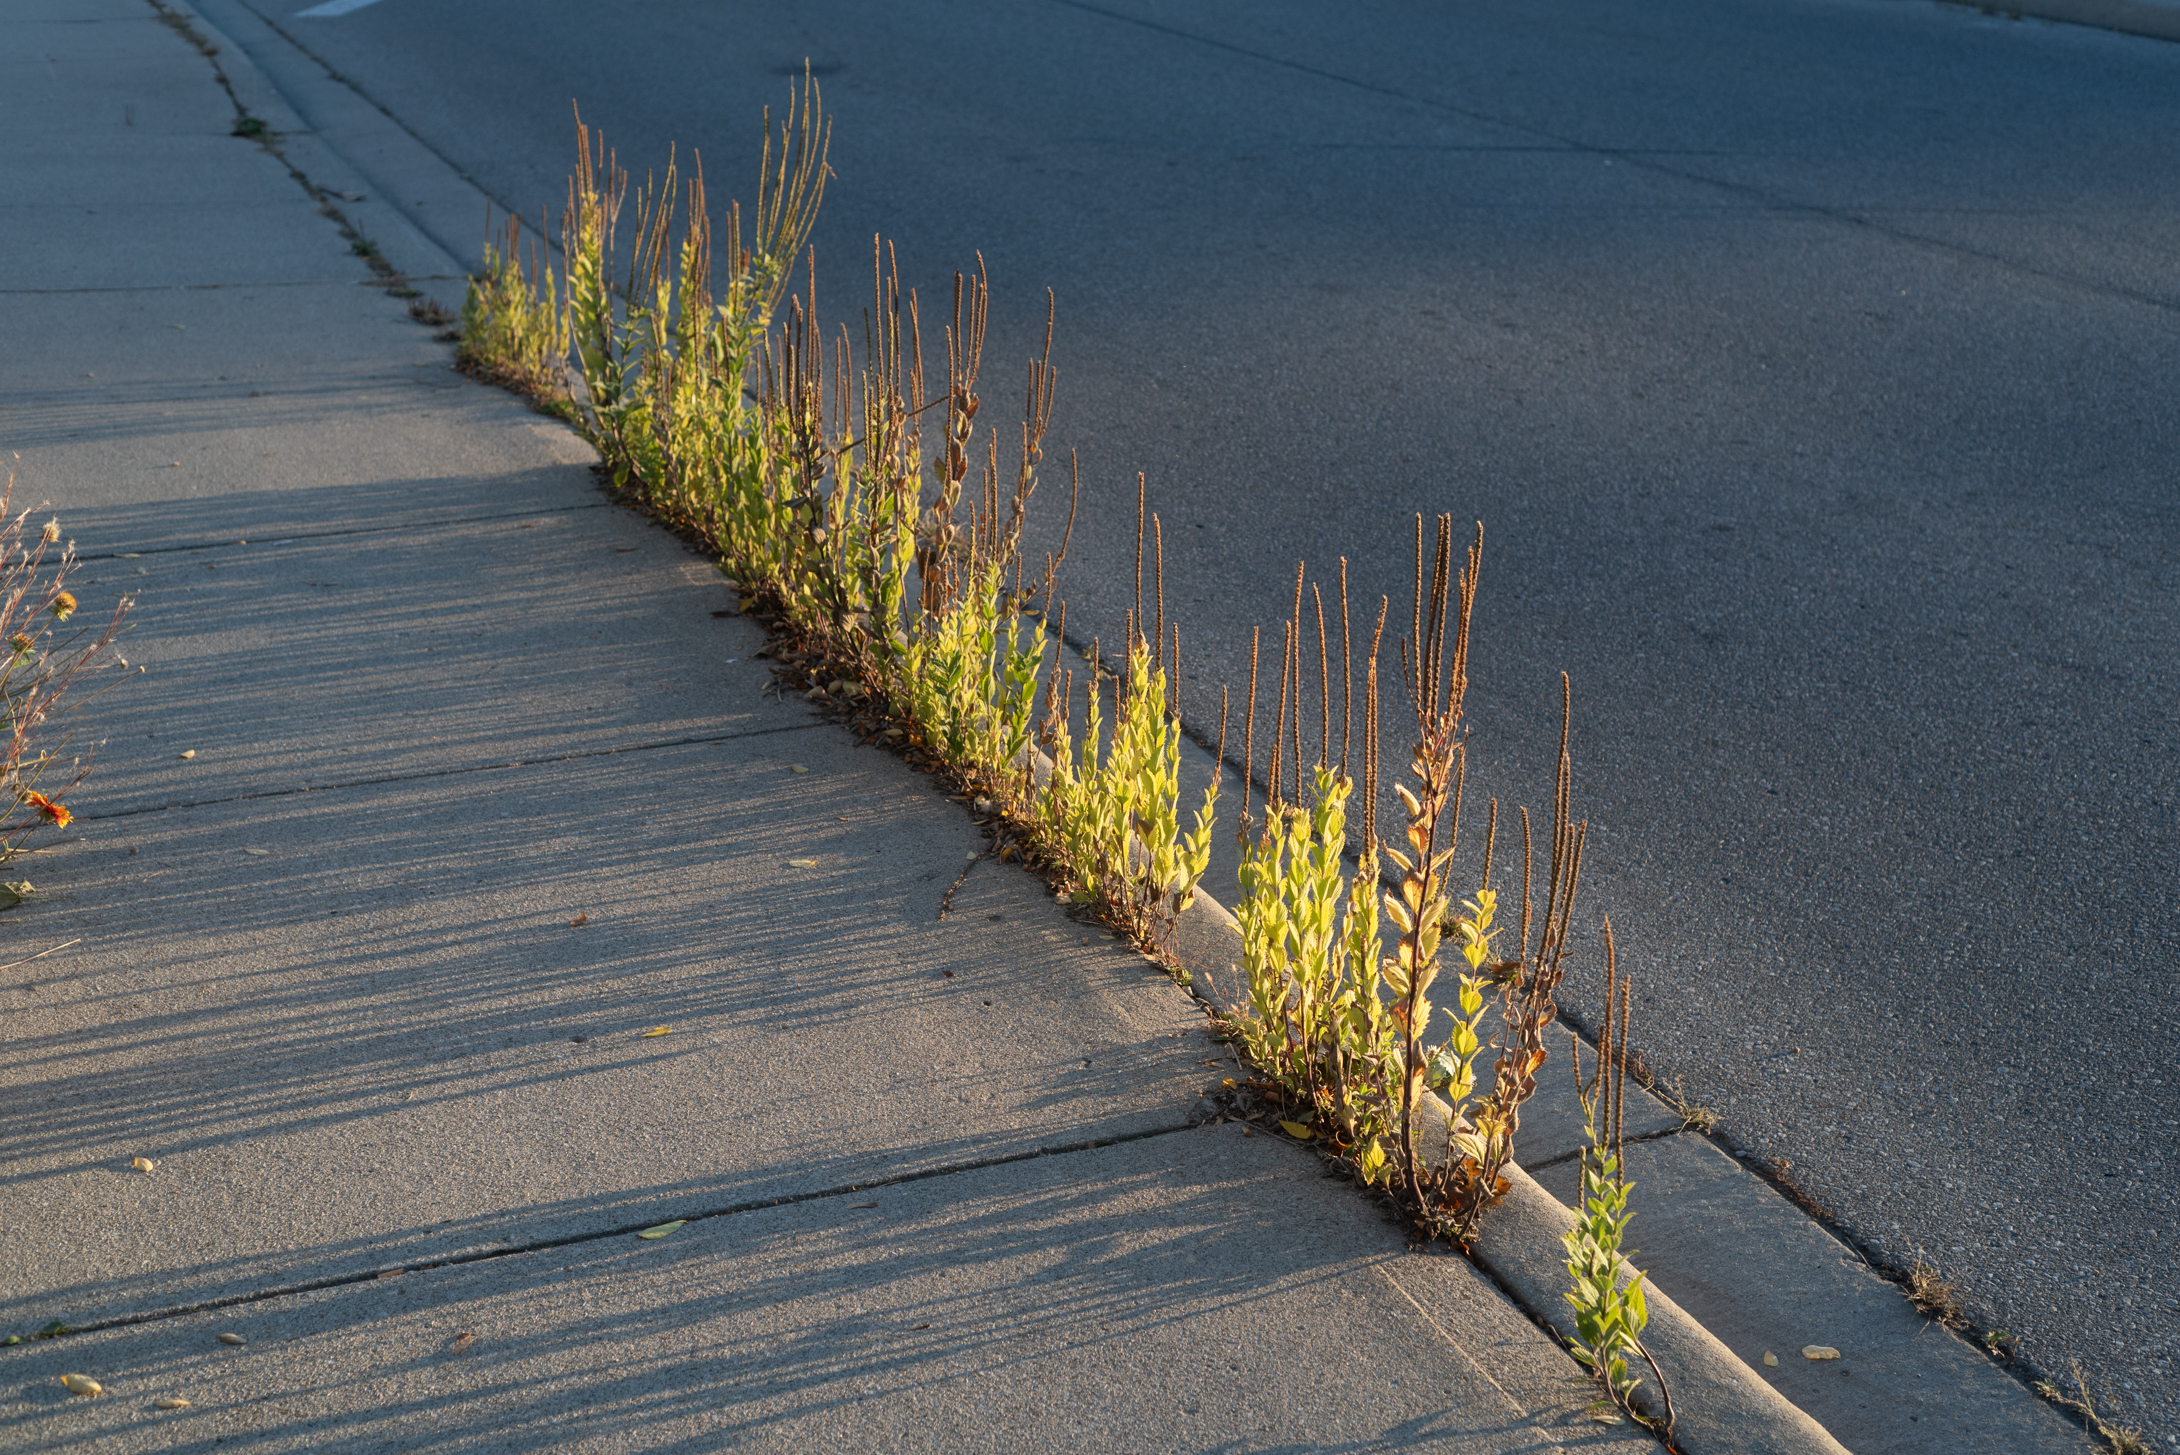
(136, 384)
(1192, 1292)
(1763, 1277)
(286, 665)
(298, 1004)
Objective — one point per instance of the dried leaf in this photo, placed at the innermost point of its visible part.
(802, 863)
(656, 1031)
(175, 1402)
(796, 768)
(257, 853)
(1771, 1360)
(1819, 1351)
(580, 920)
(143, 1164)
(463, 1340)
(186, 756)
(662, 1230)
(1295, 1130)
(81, 1384)
(235, 1339)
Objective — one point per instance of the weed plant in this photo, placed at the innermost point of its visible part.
(44, 667)
(1346, 1027)
(1606, 1290)
(513, 329)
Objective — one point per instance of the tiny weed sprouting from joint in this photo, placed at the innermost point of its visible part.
(1607, 1291)
(2124, 1439)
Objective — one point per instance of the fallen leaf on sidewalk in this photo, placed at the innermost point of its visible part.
(579, 921)
(796, 768)
(1771, 1360)
(922, 1326)
(1819, 1351)
(257, 853)
(81, 1384)
(463, 1340)
(1295, 1130)
(662, 1230)
(143, 1164)
(656, 1031)
(174, 1403)
(235, 1339)
(190, 754)
(802, 863)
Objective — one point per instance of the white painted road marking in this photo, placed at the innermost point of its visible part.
(332, 7)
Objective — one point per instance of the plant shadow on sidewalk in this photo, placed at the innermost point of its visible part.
(388, 1000)
(1152, 1286)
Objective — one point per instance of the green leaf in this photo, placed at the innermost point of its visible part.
(1296, 1130)
(662, 1230)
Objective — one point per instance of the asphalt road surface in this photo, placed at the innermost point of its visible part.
(1811, 364)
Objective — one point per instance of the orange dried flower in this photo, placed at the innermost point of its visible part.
(61, 606)
(58, 815)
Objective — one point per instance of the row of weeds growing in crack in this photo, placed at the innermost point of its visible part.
(876, 517)
(867, 513)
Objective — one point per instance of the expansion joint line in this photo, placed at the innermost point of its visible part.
(540, 1245)
(450, 772)
(404, 527)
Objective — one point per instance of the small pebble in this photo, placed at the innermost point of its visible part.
(1771, 1360)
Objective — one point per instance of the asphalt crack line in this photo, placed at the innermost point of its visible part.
(1638, 158)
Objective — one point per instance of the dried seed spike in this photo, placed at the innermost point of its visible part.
(1347, 674)
(1491, 841)
(1324, 685)
(1619, 1095)
(1604, 1043)
(1371, 760)
(1059, 645)
(1142, 487)
(1218, 764)
(1415, 683)
(1249, 739)
(1293, 675)
(1528, 860)
(1272, 785)
(1158, 582)
(1173, 703)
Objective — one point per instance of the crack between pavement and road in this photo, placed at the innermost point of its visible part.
(540, 1245)
(652, 747)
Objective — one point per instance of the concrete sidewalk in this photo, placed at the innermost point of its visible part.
(442, 703)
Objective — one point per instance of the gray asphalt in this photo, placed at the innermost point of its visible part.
(1810, 363)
